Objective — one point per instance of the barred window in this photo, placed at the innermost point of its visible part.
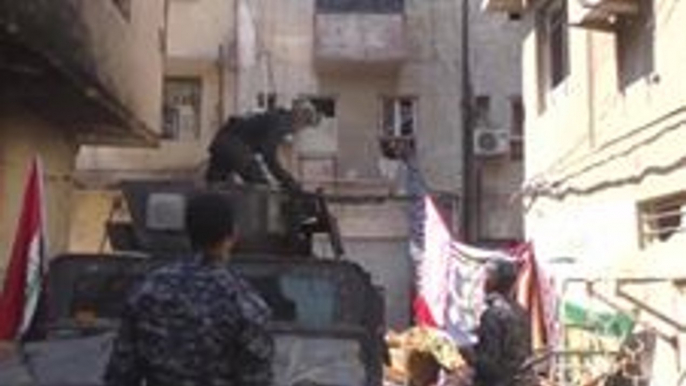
(662, 218)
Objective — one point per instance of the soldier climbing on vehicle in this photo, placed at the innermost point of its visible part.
(243, 140)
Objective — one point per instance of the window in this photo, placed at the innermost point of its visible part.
(325, 106)
(516, 128)
(482, 110)
(553, 43)
(662, 218)
(514, 16)
(266, 101)
(182, 108)
(322, 139)
(124, 6)
(399, 116)
(635, 45)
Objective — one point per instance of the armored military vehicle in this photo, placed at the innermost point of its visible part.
(328, 317)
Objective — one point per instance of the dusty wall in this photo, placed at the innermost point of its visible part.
(129, 53)
(609, 137)
(603, 141)
(199, 44)
(495, 65)
(21, 138)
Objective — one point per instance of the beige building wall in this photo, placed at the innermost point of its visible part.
(100, 50)
(608, 138)
(199, 39)
(91, 210)
(130, 61)
(495, 66)
(199, 44)
(22, 137)
(603, 143)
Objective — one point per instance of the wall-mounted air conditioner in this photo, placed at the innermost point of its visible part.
(491, 142)
(600, 14)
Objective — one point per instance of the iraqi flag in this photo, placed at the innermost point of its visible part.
(25, 272)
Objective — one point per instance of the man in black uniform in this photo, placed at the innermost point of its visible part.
(504, 332)
(241, 139)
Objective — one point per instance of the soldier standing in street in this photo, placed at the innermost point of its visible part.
(195, 322)
(504, 335)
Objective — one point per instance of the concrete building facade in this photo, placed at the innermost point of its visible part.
(72, 73)
(605, 173)
(378, 72)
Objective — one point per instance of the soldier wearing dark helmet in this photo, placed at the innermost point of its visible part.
(504, 335)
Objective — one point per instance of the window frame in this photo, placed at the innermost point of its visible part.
(546, 21)
(197, 132)
(517, 120)
(651, 212)
(397, 130)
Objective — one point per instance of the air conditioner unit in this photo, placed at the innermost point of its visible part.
(491, 142)
(599, 14)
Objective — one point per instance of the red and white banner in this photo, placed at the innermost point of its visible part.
(433, 269)
(450, 279)
(26, 268)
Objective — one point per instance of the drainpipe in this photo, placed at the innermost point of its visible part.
(237, 60)
(591, 88)
(469, 204)
(221, 111)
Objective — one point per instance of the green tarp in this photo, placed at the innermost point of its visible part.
(617, 325)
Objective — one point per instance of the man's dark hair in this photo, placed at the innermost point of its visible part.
(209, 219)
(504, 274)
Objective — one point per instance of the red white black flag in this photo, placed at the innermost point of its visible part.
(26, 269)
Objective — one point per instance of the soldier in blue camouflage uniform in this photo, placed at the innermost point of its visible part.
(195, 322)
(504, 332)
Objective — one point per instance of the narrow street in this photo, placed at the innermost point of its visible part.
(417, 192)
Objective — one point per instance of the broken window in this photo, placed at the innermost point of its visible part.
(399, 116)
(182, 108)
(398, 126)
(662, 218)
(322, 138)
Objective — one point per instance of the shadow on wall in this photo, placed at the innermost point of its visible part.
(635, 46)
